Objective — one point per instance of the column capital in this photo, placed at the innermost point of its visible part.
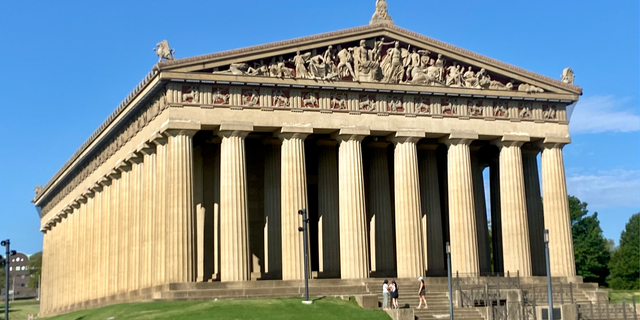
(292, 135)
(511, 140)
(133, 158)
(413, 133)
(404, 139)
(157, 138)
(347, 137)
(460, 137)
(553, 142)
(236, 126)
(146, 149)
(122, 166)
(173, 127)
(233, 133)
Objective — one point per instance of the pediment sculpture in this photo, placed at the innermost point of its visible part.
(378, 60)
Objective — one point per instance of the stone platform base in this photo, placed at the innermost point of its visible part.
(365, 289)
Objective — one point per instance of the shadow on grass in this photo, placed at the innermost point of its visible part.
(318, 299)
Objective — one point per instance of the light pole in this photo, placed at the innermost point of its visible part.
(449, 281)
(549, 291)
(7, 264)
(304, 230)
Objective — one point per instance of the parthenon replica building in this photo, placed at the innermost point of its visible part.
(382, 134)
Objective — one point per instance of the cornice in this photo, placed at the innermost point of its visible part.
(389, 30)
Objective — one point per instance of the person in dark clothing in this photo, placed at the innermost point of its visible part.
(421, 294)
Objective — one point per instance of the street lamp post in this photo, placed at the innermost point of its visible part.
(449, 281)
(7, 267)
(305, 230)
(549, 291)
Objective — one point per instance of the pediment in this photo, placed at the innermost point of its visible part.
(379, 55)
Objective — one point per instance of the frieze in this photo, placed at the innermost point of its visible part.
(378, 60)
(106, 150)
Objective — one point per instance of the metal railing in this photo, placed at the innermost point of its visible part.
(606, 310)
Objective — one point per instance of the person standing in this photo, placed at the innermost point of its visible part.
(421, 294)
(385, 294)
(394, 295)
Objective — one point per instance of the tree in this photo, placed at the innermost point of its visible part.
(625, 260)
(35, 266)
(590, 247)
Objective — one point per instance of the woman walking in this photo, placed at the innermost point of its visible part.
(421, 294)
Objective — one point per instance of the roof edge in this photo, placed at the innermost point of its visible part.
(170, 64)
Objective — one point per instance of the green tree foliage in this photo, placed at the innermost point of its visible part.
(590, 247)
(35, 266)
(625, 260)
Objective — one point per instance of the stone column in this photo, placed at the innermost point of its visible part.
(180, 213)
(328, 209)
(432, 239)
(134, 248)
(293, 198)
(407, 208)
(148, 213)
(462, 217)
(381, 230)
(484, 257)
(273, 236)
(556, 208)
(114, 217)
(160, 190)
(513, 207)
(234, 220)
(104, 236)
(354, 258)
(123, 229)
(534, 211)
(496, 219)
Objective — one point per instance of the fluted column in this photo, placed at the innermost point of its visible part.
(534, 211)
(407, 208)
(134, 249)
(123, 231)
(381, 231)
(354, 257)
(513, 207)
(462, 218)
(104, 244)
(273, 238)
(180, 215)
(328, 209)
(160, 228)
(234, 221)
(484, 257)
(556, 210)
(114, 217)
(293, 198)
(432, 238)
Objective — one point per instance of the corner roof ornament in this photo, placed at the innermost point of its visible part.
(381, 15)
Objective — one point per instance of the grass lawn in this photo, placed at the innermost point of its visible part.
(20, 309)
(279, 309)
(616, 296)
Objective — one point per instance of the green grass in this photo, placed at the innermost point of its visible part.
(20, 309)
(276, 309)
(616, 296)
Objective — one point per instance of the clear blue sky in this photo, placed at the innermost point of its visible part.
(65, 66)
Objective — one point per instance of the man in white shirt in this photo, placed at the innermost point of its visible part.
(385, 295)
